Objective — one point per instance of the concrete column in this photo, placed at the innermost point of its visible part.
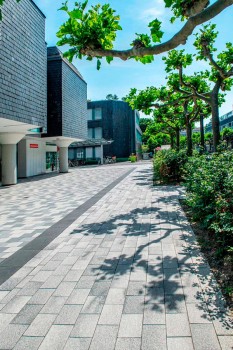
(63, 145)
(63, 160)
(9, 164)
(102, 154)
(9, 167)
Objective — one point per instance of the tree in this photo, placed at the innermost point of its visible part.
(205, 86)
(92, 32)
(112, 97)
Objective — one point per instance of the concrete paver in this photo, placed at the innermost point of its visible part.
(127, 274)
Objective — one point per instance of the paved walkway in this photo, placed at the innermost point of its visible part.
(127, 274)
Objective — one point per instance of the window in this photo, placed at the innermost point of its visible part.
(90, 133)
(98, 133)
(98, 113)
(89, 114)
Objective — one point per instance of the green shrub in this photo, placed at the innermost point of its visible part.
(168, 165)
(133, 158)
(209, 181)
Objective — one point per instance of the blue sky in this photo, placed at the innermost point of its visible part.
(118, 77)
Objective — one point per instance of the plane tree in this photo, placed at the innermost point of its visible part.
(210, 85)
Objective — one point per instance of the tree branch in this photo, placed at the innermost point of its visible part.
(179, 38)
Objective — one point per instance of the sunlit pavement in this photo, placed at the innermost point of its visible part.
(101, 259)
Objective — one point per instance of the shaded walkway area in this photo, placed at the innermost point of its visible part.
(127, 274)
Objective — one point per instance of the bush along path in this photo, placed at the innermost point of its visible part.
(209, 204)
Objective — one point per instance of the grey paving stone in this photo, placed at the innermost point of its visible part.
(223, 324)
(78, 344)
(116, 296)
(177, 325)
(68, 314)
(134, 305)
(52, 282)
(40, 326)
(73, 275)
(136, 288)
(154, 314)
(16, 304)
(128, 343)
(111, 315)
(5, 319)
(10, 335)
(56, 338)
(198, 313)
(93, 305)
(204, 337)
(85, 326)
(100, 288)
(26, 343)
(175, 304)
(85, 282)
(104, 338)
(64, 289)
(154, 337)
(178, 343)
(130, 326)
(41, 296)
(30, 288)
(226, 342)
(27, 314)
(78, 296)
(54, 305)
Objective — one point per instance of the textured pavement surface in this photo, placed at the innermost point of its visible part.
(126, 275)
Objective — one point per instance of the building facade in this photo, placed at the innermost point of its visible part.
(226, 121)
(116, 121)
(23, 80)
(67, 106)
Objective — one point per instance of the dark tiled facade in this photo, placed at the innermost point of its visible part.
(67, 96)
(23, 61)
(119, 123)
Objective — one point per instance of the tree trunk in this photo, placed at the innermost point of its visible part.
(215, 117)
(189, 139)
(172, 140)
(178, 139)
(202, 134)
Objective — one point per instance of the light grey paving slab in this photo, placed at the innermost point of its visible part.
(31, 343)
(54, 305)
(154, 337)
(128, 343)
(78, 344)
(136, 288)
(116, 296)
(111, 315)
(64, 289)
(104, 338)
(10, 335)
(198, 313)
(56, 338)
(130, 326)
(68, 314)
(93, 305)
(40, 326)
(16, 304)
(85, 282)
(85, 326)
(226, 342)
(27, 314)
(154, 314)
(180, 343)
(78, 296)
(177, 325)
(41, 296)
(134, 305)
(100, 288)
(204, 337)
(5, 319)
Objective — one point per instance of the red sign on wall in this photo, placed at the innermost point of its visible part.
(34, 145)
